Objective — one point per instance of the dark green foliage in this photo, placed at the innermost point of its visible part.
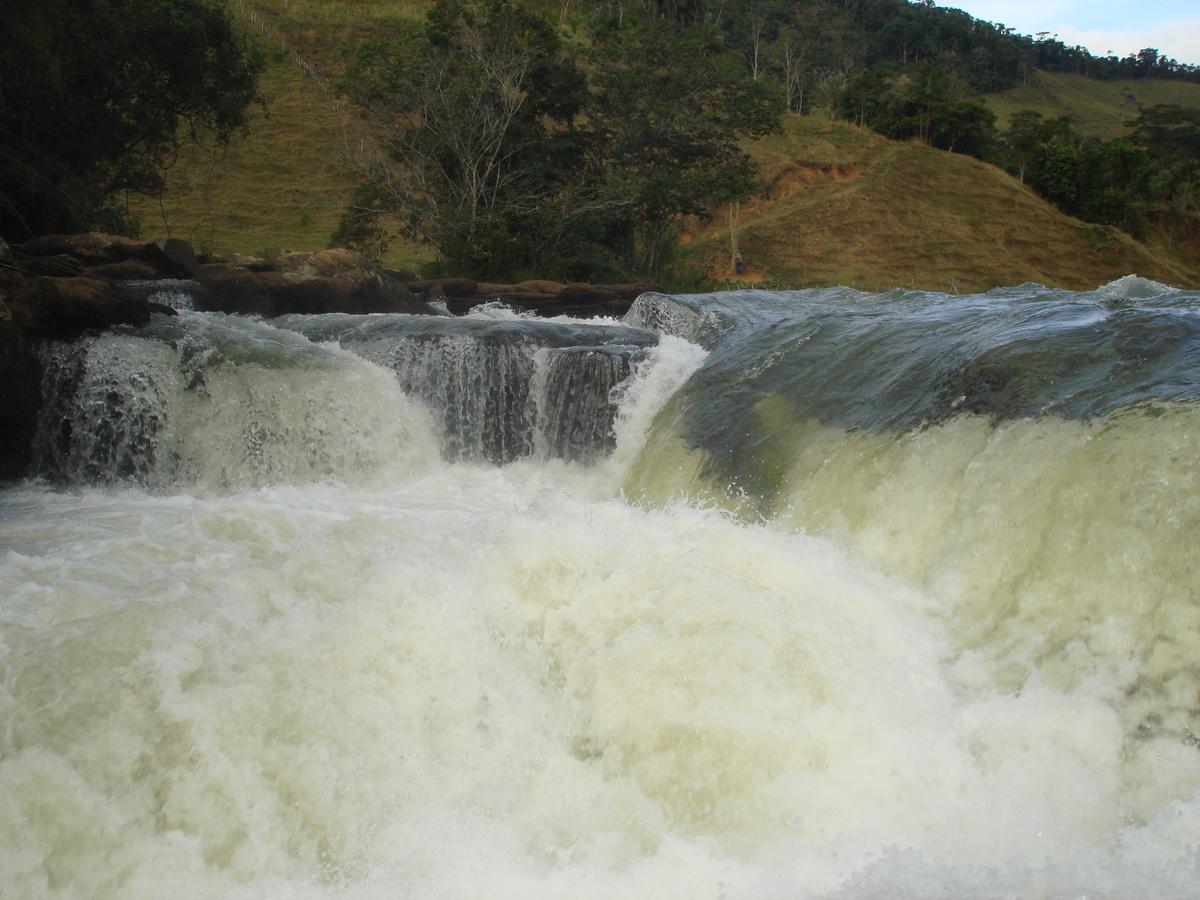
(512, 162)
(477, 108)
(665, 119)
(924, 102)
(514, 153)
(1113, 182)
(361, 227)
(1170, 135)
(96, 96)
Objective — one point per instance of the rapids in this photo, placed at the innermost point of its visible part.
(818, 594)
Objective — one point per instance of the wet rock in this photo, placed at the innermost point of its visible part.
(179, 255)
(55, 265)
(276, 293)
(229, 289)
(126, 270)
(92, 248)
(534, 286)
(436, 288)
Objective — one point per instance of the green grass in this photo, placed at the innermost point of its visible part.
(1098, 108)
(840, 204)
(283, 187)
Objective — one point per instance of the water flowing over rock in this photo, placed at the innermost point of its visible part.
(503, 388)
(871, 596)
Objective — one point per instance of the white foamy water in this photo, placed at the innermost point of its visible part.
(957, 662)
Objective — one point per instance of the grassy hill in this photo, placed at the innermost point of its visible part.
(285, 185)
(1099, 108)
(844, 206)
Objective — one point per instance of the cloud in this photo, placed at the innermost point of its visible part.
(1179, 39)
(1100, 25)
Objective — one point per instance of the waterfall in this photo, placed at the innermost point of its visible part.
(814, 594)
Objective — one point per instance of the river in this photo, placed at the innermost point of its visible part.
(751, 595)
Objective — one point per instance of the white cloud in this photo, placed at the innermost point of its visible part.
(1179, 39)
(1099, 25)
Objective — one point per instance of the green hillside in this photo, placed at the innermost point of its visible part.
(285, 186)
(844, 204)
(1098, 108)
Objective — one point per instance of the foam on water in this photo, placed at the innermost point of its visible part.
(950, 661)
(327, 692)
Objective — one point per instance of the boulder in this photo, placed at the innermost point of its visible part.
(485, 289)
(385, 293)
(54, 265)
(229, 289)
(323, 262)
(232, 290)
(126, 270)
(535, 286)
(179, 255)
(583, 294)
(443, 287)
(64, 307)
(92, 248)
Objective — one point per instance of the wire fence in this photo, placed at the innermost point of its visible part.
(357, 143)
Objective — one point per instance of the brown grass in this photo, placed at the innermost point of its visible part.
(891, 214)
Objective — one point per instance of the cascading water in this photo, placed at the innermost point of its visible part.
(504, 387)
(821, 594)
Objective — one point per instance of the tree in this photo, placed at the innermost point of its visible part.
(509, 160)
(1170, 136)
(477, 109)
(925, 102)
(791, 52)
(666, 123)
(1024, 140)
(96, 98)
(1113, 180)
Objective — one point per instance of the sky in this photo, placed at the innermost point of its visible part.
(1122, 26)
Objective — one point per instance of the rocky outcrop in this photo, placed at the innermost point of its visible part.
(549, 298)
(322, 282)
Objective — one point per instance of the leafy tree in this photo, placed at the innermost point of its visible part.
(1024, 140)
(509, 160)
(1057, 174)
(1114, 176)
(96, 97)
(1170, 135)
(477, 109)
(924, 102)
(666, 123)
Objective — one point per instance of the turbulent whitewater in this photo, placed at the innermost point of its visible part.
(751, 595)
